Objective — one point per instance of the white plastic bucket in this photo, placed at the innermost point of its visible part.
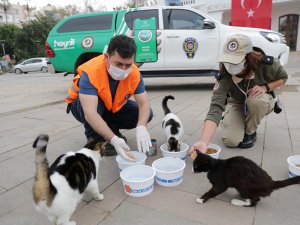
(138, 180)
(292, 162)
(182, 154)
(216, 147)
(139, 156)
(169, 171)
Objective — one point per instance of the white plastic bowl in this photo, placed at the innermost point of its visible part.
(182, 154)
(169, 171)
(216, 147)
(293, 169)
(138, 180)
(140, 160)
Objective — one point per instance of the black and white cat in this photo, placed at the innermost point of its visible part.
(251, 181)
(172, 126)
(58, 189)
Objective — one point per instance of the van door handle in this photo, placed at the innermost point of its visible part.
(173, 36)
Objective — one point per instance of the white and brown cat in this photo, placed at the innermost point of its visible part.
(172, 126)
(58, 189)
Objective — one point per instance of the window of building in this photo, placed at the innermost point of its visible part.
(16, 11)
(288, 25)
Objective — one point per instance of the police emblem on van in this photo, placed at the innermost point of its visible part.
(190, 47)
(145, 35)
(87, 43)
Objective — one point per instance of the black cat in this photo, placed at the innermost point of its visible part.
(238, 172)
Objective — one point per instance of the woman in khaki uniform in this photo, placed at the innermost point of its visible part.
(242, 94)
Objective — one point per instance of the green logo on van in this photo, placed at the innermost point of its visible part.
(145, 35)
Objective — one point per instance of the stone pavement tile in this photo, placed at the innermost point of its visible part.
(2, 190)
(113, 197)
(294, 120)
(11, 199)
(278, 138)
(281, 208)
(274, 162)
(182, 204)
(15, 142)
(89, 215)
(276, 121)
(132, 214)
(295, 136)
(17, 170)
(24, 214)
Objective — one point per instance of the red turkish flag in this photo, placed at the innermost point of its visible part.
(251, 13)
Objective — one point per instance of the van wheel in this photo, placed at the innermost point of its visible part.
(18, 71)
(84, 58)
(44, 69)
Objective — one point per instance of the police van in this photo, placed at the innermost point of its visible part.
(191, 41)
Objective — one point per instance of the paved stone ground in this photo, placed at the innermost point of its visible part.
(32, 104)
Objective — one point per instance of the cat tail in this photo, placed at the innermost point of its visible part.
(41, 186)
(287, 182)
(164, 104)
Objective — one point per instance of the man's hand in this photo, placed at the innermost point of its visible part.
(143, 139)
(122, 148)
(158, 42)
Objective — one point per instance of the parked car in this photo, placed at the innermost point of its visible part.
(31, 65)
(191, 40)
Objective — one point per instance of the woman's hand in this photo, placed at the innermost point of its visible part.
(257, 91)
(200, 145)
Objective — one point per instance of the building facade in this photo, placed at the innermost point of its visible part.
(14, 14)
(284, 18)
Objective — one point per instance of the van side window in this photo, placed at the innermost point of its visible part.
(144, 14)
(100, 22)
(182, 20)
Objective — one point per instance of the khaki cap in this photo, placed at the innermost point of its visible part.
(236, 48)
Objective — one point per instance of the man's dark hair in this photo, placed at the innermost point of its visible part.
(122, 44)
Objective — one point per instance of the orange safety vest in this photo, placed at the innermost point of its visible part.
(98, 76)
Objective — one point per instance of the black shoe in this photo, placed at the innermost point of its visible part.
(248, 141)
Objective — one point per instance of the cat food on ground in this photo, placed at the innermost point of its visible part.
(211, 151)
(297, 165)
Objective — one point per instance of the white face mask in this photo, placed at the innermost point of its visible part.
(117, 73)
(235, 69)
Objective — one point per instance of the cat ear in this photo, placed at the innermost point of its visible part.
(198, 152)
(91, 145)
